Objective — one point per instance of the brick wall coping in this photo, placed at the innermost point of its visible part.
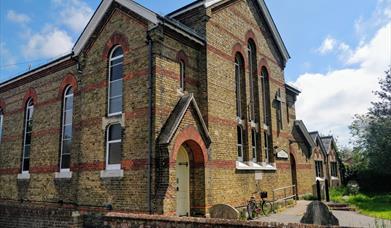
(122, 217)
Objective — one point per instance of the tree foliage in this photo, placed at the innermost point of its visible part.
(372, 133)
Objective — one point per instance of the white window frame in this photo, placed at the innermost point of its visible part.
(110, 82)
(111, 166)
(238, 85)
(1, 124)
(182, 75)
(64, 125)
(238, 145)
(252, 88)
(29, 108)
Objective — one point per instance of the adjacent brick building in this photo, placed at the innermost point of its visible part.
(167, 115)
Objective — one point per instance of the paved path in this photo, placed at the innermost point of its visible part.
(346, 218)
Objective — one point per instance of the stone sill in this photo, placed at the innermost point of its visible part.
(119, 173)
(63, 175)
(334, 178)
(252, 166)
(319, 178)
(23, 176)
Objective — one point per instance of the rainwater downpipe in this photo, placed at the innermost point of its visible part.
(150, 122)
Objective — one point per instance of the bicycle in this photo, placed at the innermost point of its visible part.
(254, 208)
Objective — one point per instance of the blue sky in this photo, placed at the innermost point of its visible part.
(339, 49)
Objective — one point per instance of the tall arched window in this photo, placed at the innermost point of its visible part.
(28, 127)
(182, 75)
(254, 99)
(66, 136)
(240, 104)
(115, 81)
(268, 143)
(113, 147)
(1, 123)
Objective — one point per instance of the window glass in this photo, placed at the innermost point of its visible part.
(28, 124)
(66, 142)
(115, 81)
(240, 143)
(114, 144)
(182, 75)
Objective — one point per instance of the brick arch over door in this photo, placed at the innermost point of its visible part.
(193, 140)
(30, 93)
(115, 39)
(69, 80)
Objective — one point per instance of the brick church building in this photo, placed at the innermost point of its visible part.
(159, 114)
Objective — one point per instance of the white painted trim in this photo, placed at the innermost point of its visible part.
(252, 166)
(24, 176)
(64, 124)
(63, 175)
(111, 167)
(112, 173)
(34, 72)
(100, 12)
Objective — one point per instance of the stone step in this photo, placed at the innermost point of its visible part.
(340, 207)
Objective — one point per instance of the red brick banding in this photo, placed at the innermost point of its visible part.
(238, 48)
(181, 56)
(116, 39)
(251, 36)
(192, 138)
(69, 80)
(2, 105)
(31, 93)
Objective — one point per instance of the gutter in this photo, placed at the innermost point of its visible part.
(150, 122)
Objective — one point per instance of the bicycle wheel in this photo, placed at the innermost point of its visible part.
(267, 208)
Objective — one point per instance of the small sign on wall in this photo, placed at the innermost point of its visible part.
(282, 154)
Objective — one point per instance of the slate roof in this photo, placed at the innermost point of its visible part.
(327, 141)
(316, 137)
(299, 124)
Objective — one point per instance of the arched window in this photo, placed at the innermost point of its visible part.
(66, 136)
(268, 143)
(240, 104)
(28, 127)
(115, 81)
(240, 87)
(113, 147)
(254, 98)
(182, 75)
(1, 123)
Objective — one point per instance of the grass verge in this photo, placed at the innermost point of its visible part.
(374, 205)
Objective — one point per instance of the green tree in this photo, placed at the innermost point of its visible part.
(372, 133)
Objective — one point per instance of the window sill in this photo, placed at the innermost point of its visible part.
(63, 175)
(23, 176)
(119, 173)
(319, 179)
(334, 178)
(255, 166)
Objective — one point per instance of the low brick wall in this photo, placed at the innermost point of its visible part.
(122, 220)
(15, 214)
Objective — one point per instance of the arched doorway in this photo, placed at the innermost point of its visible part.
(183, 183)
(294, 174)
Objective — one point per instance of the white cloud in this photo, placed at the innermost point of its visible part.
(7, 61)
(50, 42)
(327, 46)
(329, 101)
(74, 14)
(17, 17)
